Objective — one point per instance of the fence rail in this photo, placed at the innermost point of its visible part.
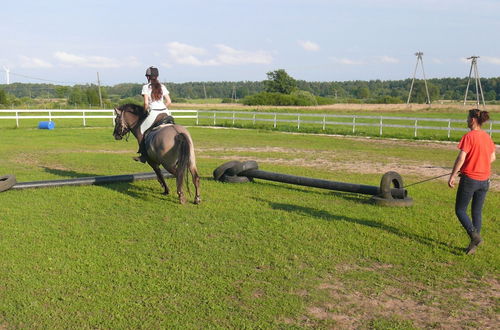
(296, 119)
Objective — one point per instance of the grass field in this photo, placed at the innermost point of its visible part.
(257, 255)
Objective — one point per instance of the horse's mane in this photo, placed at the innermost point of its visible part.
(135, 109)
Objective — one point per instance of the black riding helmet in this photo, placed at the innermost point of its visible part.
(152, 72)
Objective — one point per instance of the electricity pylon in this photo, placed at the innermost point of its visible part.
(479, 88)
(419, 59)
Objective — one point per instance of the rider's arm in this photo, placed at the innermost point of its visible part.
(146, 102)
(168, 102)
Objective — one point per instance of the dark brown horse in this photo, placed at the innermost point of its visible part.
(168, 145)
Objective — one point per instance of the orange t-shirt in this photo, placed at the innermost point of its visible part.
(479, 146)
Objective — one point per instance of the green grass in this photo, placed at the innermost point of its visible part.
(258, 255)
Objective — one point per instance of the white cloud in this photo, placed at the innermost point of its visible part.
(190, 55)
(347, 61)
(95, 61)
(231, 56)
(33, 62)
(308, 45)
(436, 60)
(388, 59)
(491, 60)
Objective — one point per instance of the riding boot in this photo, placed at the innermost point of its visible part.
(475, 241)
(142, 151)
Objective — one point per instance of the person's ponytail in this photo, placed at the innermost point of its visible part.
(156, 92)
(484, 116)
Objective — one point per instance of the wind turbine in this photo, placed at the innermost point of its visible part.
(7, 74)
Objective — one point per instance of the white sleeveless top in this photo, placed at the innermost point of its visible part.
(158, 104)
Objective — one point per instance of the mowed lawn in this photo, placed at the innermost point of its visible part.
(254, 255)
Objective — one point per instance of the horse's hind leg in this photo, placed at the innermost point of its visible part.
(196, 182)
(160, 178)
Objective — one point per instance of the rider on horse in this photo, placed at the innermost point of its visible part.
(156, 102)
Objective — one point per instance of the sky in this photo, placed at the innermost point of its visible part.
(69, 42)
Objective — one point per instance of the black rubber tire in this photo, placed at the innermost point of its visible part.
(386, 182)
(234, 179)
(219, 171)
(6, 182)
(242, 167)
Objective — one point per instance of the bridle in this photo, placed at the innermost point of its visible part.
(121, 128)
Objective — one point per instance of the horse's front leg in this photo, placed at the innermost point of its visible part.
(160, 178)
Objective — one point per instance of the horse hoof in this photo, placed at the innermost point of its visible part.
(197, 200)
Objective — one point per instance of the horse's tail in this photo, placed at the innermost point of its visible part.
(184, 158)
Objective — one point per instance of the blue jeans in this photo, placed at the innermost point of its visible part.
(471, 189)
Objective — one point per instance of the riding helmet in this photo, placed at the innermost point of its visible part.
(152, 72)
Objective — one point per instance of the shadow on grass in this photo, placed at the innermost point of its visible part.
(321, 214)
(126, 188)
(354, 197)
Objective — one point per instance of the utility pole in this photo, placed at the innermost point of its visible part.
(99, 88)
(479, 88)
(233, 94)
(204, 90)
(419, 59)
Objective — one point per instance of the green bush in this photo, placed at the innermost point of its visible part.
(178, 100)
(320, 100)
(228, 100)
(132, 100)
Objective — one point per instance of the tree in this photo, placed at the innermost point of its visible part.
(3, 97)
(279, 81)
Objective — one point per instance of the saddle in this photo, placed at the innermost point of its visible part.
(162, 119)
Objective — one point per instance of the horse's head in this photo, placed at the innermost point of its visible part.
(121, 127)
(128, 117)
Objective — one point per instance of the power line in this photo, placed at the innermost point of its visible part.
(42, 79)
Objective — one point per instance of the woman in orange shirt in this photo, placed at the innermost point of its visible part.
(477, 152)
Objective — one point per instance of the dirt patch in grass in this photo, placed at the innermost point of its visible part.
(348, 306)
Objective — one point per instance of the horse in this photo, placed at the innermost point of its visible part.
(168, 145)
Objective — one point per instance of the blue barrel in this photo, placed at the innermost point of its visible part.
(46, 125)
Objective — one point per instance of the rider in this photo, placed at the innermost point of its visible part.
(156, 101)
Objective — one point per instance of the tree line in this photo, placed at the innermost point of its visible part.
(373, 91)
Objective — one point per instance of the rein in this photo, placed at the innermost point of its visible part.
(434, 178)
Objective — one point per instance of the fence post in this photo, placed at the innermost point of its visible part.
(491, 128)
(215, 113)
(84, 122)
(17, 119)
(353, 124)
(449, 128)
(233, 118)
(197, 117)
(324, 122)
(381, 123)
(50, 115)
(298, 122)
(416, 124)
(275, 120)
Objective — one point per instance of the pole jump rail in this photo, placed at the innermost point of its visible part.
(9, 181)
(391, 191)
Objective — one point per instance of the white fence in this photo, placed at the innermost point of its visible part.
(296, 119)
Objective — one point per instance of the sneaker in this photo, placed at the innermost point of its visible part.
(475, 241)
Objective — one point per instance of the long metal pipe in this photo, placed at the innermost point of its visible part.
(92, 180)
(319, 183)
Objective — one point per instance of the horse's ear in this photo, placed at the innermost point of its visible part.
(118, 111)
